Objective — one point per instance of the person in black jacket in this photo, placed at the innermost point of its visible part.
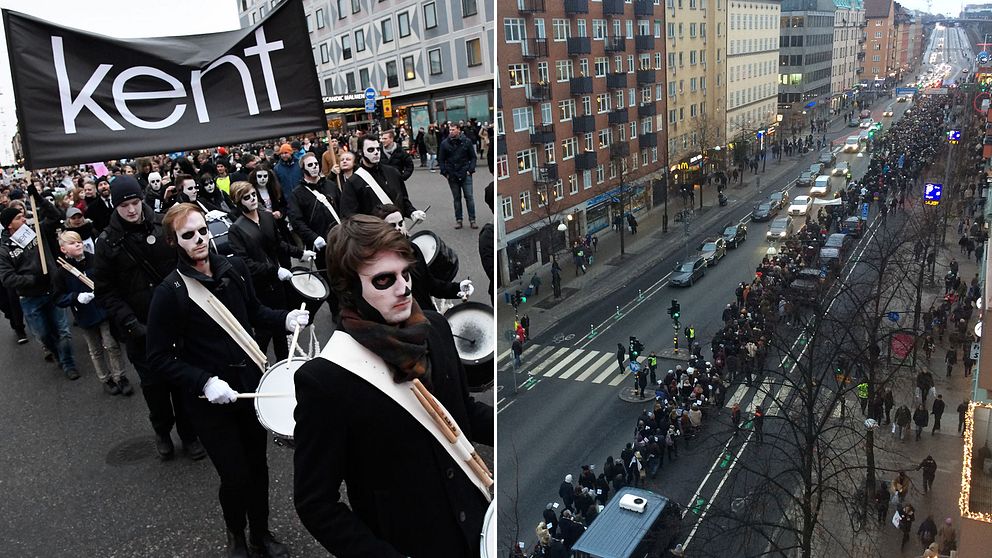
(415, 501)
(255, 239)
(456, 156)
(100, 208)
(358, 196)
(131, 259)
(20, 269)
(394, 155)
(312, 208)
(487, 242)
(198, 356)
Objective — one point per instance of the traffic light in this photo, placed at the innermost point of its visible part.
(675, 310)
(633, 347)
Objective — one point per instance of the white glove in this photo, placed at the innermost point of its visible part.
(284, 274)
(319, 243)
(418, 216)
(215, 215)
(297, 317)
(85, 298)
(217, 391)
(467, 288)
(308, 255)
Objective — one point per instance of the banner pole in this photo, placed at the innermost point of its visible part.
(37, 232)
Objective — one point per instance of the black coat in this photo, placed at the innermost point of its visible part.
(456, 157)
(357, 197)
(486, 244)
(425, 285)
(309, 217)
(20, 269)
(98, 212)
(124, 285)
(187, 347)
(261, 247)
(399, 160)
(406, 497)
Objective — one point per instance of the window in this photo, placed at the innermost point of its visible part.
(309, 24)
(430, 15)
(602, 66)
(513, 30)
(539, 31)
(328, 86)
(605, 138)
(569, 147)
(387, 30)
(526, 160)
(507, 205)
(502, 170)
(391, 78)
(560, 29)
(523, 119)
(320, 19)
(519, 74)
(598, 29)
(325, 56)
(600, 174)
(573, 184)
(469, 8)
(350, 79)
(363, 76)
(473, 48)
(341, 12)
(547, 114)
(409, 71)
(549, 152)
(403, 22)
(563, 70)
(566, 110)
(524, 202)
(356, 6)
(360, 40)
(434, 60)
(559, 188)
(346, 47)
(602, 103)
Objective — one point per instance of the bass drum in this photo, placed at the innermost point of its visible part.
(276, 413)
(441, 260)
(475, 339)
(219, 241)
(487, 545)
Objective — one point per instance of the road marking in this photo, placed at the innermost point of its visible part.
(594, 367)
(564, 362)
(779, 400)
(609, 322)
(618, 380)
(575, 368)
(548, 361)
(603, 376)
(738, 395)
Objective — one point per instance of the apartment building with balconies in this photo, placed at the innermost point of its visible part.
(752, 72)
(880, 44)
(849, 23)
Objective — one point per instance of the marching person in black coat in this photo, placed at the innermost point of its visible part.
(358, 197)
(310, 212)
(199, 356)
(416, 501)
(255, 238)
(131, 259)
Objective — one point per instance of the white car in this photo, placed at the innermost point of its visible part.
(819, 188)
(867, 123)
(842, 168)
(852, 144)
(800, 206)
(887, 112)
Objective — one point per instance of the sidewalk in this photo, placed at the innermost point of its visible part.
(642, 251)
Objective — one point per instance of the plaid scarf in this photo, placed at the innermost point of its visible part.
(403, 346)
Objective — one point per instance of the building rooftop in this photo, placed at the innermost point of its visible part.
(877, 8)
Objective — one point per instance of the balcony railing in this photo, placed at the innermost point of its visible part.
(537, 92)
(542, 135)
(619, 116)
(612, 7)
(579, 45)
(615, 44)
(646, 141)
(530, 6)
(616, 81)
(644, 7)
(644, 42)
(586, 161)
(576, 6)
(583, 125)
(546, 174)
(501, 144)
(580, 86)
(647, 109)
(619, 150)
(645, 77)
(534, 48)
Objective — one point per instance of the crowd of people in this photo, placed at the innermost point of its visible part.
(130, 248)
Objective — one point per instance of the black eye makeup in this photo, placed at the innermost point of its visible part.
(383, 281)
(188, 235)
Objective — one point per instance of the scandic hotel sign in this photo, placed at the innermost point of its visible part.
(84, 97)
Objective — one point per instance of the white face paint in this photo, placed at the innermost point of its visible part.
(311, 166)
(390, 273)
(371, 151)
(193, 237)
(209, 186)
(189, 188)
(154, 181)
(262, 177)
(396, 220)
(250, 201)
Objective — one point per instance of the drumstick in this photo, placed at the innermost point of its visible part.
(475, 463)
(79, 274)
(296, 333)
(434, 405)
(472, 341)
(415, 223)
(248, 345)
(309, 272)
(451, 436)
(258, 395)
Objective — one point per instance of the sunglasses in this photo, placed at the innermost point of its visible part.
(188, 235)
(383, 281)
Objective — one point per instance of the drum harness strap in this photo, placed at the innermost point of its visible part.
(371, 183)
(323, 199)
(220, 314)
(343, 350)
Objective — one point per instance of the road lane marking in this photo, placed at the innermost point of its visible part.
(603, 376)
(548, 361)
(618, 380)
(575, 367)
(575, 353)
(738, 395)
(594, 367)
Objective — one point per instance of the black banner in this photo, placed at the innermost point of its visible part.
(83, 97)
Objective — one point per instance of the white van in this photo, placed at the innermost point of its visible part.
(852, 145)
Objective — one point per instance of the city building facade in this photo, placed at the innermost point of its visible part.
(805, 62)
(430, 61)
(581, 122)
(752, 71)
(849, 23)
(880, 44)
(909, 37)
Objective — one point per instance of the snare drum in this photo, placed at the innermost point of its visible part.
(487, 545)
(475, 339)
(441, 260)
(219, 240)
(276, 413)
(309, 285)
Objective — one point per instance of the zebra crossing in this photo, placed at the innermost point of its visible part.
(599, 367)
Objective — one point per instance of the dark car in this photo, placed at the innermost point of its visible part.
(835, 249)
(764, 211)
(853, 226)
(687, 273)
(735, 234)
(781, 199)
(809, 286)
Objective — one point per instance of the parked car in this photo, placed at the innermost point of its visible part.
(843, 168)
(809, 286)
(835, 250)
(687, 273)
(800, 206)
(733, 235)
(764, 211)
(853, 226)
(713, 250)
(821, 187)
(805, 179)
(827, 157)
(780, 229)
